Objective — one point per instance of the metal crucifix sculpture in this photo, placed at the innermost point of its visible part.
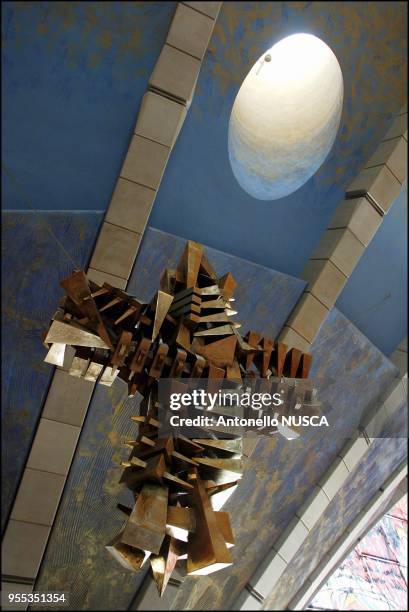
(186, 332)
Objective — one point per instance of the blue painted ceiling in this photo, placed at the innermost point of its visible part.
(73, 78)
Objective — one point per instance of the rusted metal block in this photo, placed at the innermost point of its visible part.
(145, 528)
(304, 366)
(198, 367)
(77, 288)
(154, 471)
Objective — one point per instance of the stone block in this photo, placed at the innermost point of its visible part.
(68, 399)
(342, 247)
(394, 395)
(103, 277)
(268, 573)
(290, 541)
(293, 340)
(14, 587)
(353, 452)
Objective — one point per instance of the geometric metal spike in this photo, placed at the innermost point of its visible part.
(78, 290)
(93, 371)
(75, 335)
(222, 330)
(108, 376)
(189, 265)
(130, 311)
(233, 445)
(207, 268)
(145, 419)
